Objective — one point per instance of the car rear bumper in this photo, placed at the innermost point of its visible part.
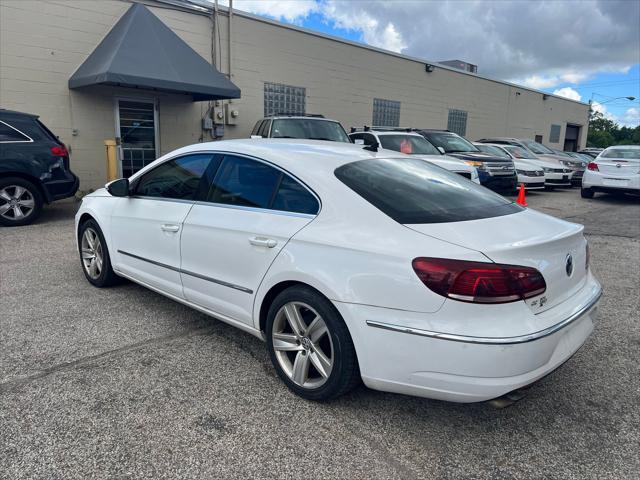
(608, 182)
(461, 368)
(61, 188)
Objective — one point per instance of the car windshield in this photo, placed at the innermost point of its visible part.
(410, 144)
(538, 148)
(626, 153)
(312, 129)
(451, 142)
(518, 152)
(412, 191)
(495, 151)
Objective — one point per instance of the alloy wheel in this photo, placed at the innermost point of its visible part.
(16, 202)
(302, 345)
(91, 252)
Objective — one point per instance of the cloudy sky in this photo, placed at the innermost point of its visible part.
(580, 49)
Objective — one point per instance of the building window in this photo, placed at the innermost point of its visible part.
(538, 138)
(457, 122)
(386, 113)
(282, 99)
(554, 136)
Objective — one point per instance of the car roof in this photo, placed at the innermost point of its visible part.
(13, 113)
(299, 117)
(615, 147)
(309, 160)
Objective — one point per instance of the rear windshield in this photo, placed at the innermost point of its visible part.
(310, 129)
(410, 144)
(413, 191)
(519, 152)
(630, 153)
(538, 148)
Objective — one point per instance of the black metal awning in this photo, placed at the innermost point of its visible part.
(142, 52)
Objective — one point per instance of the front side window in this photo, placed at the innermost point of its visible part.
(178, 178)
(10, 134)
(311, 129)
(450, 142)
(412, 191)
(249, 183)
(409, 144)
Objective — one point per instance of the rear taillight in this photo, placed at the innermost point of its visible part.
(593, 166)
(479, 282)
(59, 151)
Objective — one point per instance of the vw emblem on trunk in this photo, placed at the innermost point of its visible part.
(569, 265)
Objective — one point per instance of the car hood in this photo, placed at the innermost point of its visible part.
(525, 165)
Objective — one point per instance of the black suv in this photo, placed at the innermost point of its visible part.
(495, 173)
(310, 127)
(34, 168)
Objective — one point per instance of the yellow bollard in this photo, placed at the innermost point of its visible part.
(112, 162)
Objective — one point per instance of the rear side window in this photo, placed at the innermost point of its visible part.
(412, 191)
(10, 134)
(178, 178)
(249, 183)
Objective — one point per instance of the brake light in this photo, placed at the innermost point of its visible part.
(479, 282)
(593, 166)
(59, 151)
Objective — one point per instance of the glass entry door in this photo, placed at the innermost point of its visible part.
(137, 129)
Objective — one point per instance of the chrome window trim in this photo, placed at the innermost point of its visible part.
(30, 140)
(139, 174)
(187, 272)
(588, 306)
(162, 199)
(256, 209)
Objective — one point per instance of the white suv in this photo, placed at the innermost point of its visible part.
(310, 127)
(414, 144)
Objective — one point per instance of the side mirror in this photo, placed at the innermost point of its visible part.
(118, 188)
(256, 136)
(441, 150)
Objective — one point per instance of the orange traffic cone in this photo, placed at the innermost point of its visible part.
(521, 200)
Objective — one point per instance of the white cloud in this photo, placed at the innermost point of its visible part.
(568, 92)
(537, 81)
(292, 11)
(631, 117)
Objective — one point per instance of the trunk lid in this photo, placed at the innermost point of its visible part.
(618, 167)
(527, 238)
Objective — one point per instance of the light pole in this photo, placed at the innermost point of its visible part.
(630, 98)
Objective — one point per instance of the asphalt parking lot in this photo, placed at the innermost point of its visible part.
(124, 383)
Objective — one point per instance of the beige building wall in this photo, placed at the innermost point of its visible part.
(43, 42)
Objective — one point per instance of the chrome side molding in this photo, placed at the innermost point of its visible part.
(589, 305)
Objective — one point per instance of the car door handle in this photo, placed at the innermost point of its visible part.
(170, 228)
(263, 242)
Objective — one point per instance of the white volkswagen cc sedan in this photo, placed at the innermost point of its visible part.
(351, 265)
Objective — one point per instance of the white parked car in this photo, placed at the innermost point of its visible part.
(415, 144)
(529, 174)
(555, 175)
(616, 169)
(351, 265)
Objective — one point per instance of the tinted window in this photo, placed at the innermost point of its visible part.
(249, 183)
(450, 142)
(293, 197)
(178, 178)
(244, 182)
(414, 191)
(519, 152)
(630, 153)
(9, 134)
(311, 129)
(263, 131)
(538, 148)
(256, 127)
(410, 144)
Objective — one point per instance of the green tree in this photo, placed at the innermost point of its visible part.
(604, 132)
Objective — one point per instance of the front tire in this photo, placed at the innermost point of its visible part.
(94, 256)
(20, 202)
(587, 192)
(310, 345)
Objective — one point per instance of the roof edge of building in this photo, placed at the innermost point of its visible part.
(199, 6)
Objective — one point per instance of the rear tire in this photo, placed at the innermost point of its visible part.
(94, 256)
(20, 202)
(587, 192)
(313, 352)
